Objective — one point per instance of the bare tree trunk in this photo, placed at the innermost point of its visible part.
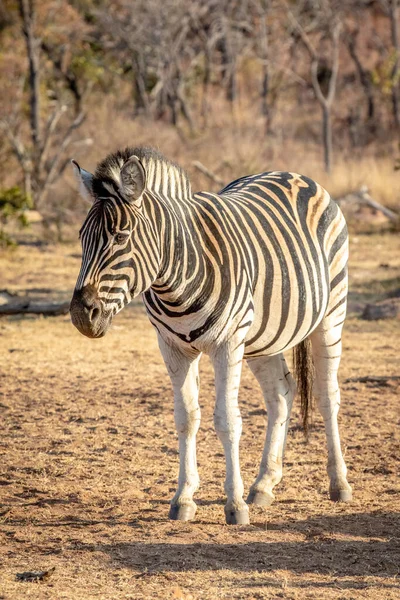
(229, 59)
(327, 136)
(364, 76)
(394, 16)
(27, 12)
(326, 102)
(206, 79)
(264, 91)
(231, 89)
(38, 172)
(71, 80)
(139, 72)
(28, 184)
(32, 174)
(265, 109)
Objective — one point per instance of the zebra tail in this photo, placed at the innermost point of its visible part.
(303, 368)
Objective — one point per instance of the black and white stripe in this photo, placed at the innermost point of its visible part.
(273, 244)
(261, 264)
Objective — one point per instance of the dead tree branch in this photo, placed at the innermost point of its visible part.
(325, 101)
(200, 167)
(362, 196)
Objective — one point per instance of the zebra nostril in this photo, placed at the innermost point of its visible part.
(94, 314)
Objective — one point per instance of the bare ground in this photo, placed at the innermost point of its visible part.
(89, 461)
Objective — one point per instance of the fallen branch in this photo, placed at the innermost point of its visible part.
(373, 379)
(26, 306)
(362, 195)
(200, 167)
(35, 575)
(386, 309)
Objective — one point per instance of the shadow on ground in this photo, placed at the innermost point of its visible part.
(373, 558)
(320, 552)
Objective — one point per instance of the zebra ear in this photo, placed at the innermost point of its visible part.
(85, 180)
(133, 179)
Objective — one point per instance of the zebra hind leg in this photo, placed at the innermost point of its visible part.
(327, 350)
(278, 388)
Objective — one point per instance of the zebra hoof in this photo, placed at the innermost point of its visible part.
(237, 517)
(341, 495)
(182, 512)
(260, 498)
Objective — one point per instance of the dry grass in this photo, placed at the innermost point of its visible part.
(233, 143)
(349, 175)
(89, 462)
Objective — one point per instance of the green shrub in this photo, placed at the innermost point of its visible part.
(13, 206)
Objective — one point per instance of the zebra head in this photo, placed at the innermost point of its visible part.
(120, 254)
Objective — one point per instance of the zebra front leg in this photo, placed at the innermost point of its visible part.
(278, 388)
(327, 349)
(227, 362)
(183, 371)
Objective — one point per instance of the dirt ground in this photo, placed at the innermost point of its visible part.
(89, 460)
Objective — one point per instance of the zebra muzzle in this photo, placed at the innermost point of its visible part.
(88, 314)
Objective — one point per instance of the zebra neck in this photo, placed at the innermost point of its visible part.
(170, 190)
(179, 249)
(167, 180)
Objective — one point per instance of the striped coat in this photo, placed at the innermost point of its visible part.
(246, 273)
(270, 250)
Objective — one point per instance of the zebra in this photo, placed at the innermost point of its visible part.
(248, 273)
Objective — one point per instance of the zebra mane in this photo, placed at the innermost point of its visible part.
(107, 171)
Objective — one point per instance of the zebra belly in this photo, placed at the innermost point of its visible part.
(194, 334)
(285, 312)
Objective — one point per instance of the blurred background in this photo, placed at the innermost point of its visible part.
(223, 87)
(88, 449)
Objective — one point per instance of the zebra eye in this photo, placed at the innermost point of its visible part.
(120, 238)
